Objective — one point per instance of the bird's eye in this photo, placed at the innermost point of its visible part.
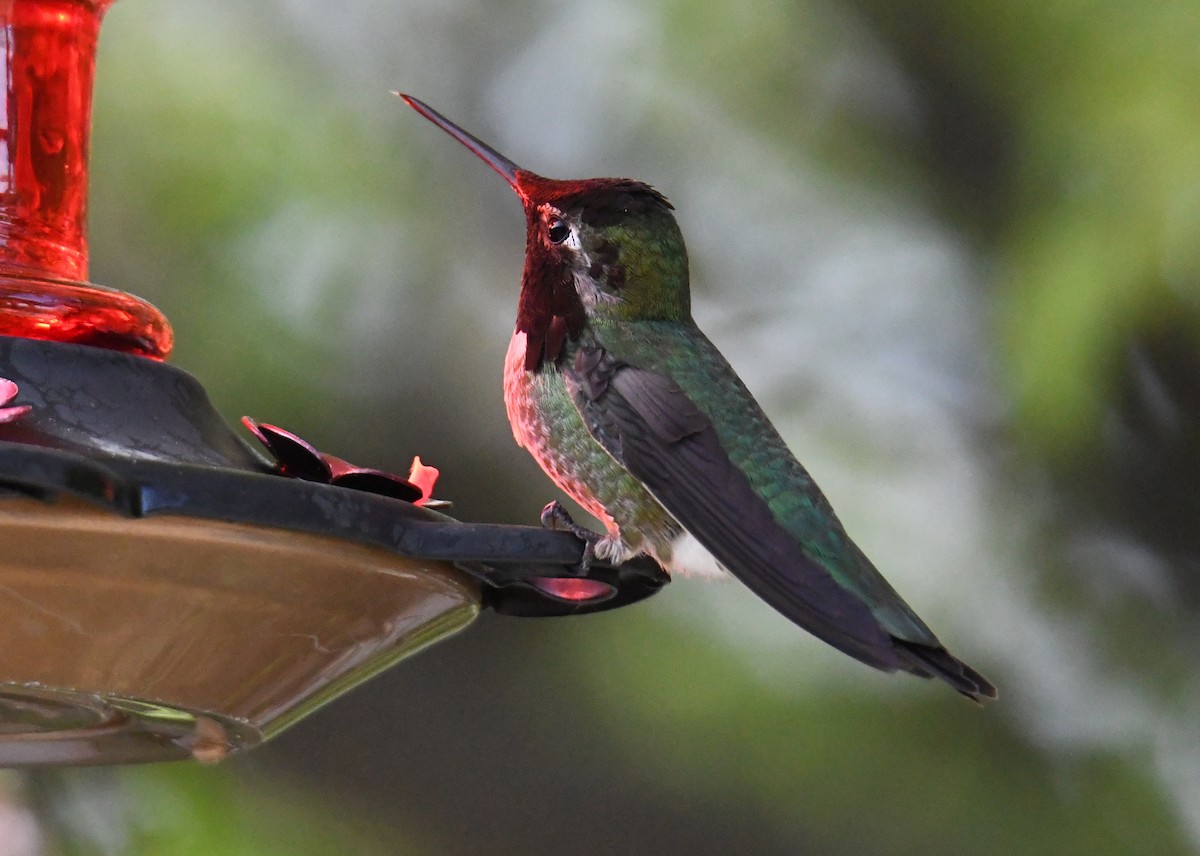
(557, 231)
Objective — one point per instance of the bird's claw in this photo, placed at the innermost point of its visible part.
(554, 516)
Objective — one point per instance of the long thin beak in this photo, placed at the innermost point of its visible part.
(493, 158)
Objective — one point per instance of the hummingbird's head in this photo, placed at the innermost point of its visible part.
(595, 249)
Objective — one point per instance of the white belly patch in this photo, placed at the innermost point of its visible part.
(691, 559)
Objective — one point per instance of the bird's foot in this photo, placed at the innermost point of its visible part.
(554, 516)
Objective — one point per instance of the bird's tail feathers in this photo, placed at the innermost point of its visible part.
(929, 662)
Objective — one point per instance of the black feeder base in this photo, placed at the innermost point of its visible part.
(167, 592)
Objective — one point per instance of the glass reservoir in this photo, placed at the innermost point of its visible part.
(49, 52)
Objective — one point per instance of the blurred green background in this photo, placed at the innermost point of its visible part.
(951, 246)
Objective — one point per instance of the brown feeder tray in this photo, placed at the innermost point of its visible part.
(150, 639)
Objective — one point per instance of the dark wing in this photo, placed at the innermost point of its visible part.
(657, 433)
(651, 426)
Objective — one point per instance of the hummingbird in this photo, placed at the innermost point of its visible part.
(630, 409)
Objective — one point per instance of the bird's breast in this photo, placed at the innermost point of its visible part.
(546, 422)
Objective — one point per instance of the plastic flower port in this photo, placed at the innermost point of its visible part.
(8, 391)
(297, 458)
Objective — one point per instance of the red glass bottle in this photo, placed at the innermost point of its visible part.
(49, 54)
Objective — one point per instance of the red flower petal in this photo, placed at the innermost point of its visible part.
(11, 414)
(376, 481)
(295, 456)
(424, 478)
(8, 391)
